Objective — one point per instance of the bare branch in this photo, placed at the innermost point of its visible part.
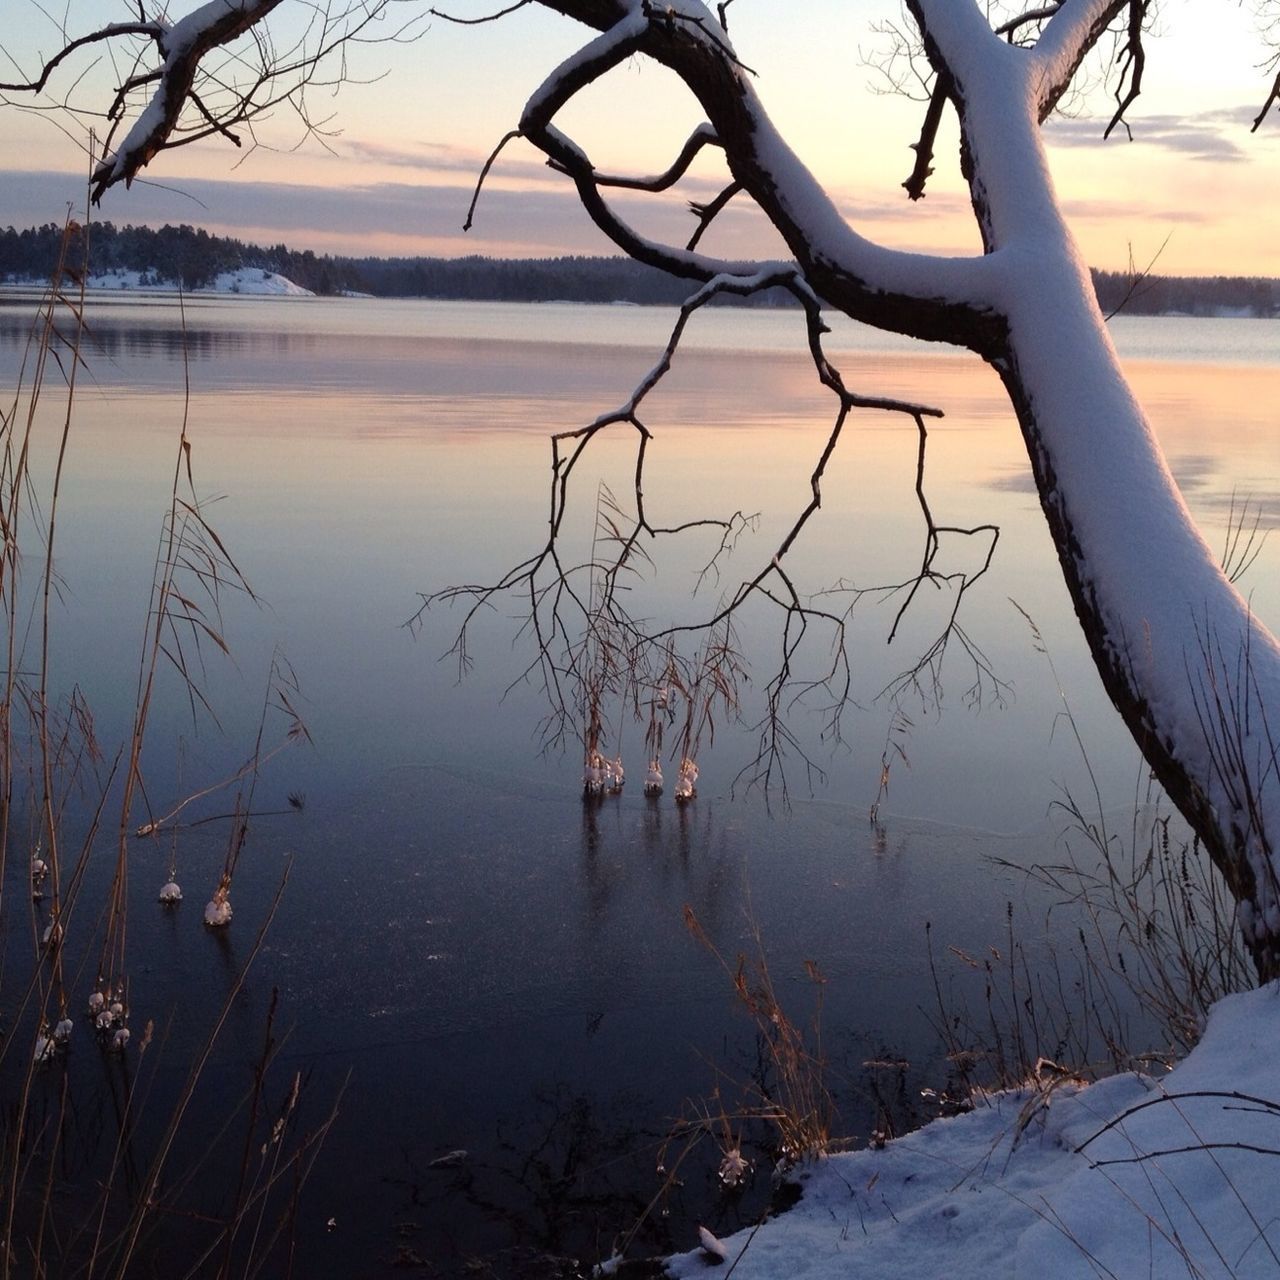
(933, 539)
(938, 100)
(1133, 288)
(707, 213)
(1272, 96)
(152, 29)
(589, 647)
(899, 61)
(1133, 60)
(1029, 17)
(704, 135)
(475, 22)
(484, 173)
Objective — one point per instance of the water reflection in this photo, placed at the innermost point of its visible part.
(504, 969)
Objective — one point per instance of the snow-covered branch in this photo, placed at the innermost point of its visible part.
(592, 61)
(205, 73)
(1067, 39)
(942, 298)
(182, 48)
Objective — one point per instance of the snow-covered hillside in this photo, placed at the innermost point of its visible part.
(255, 280)
(1130, 1177)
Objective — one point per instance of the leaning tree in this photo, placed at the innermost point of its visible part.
(1194, 675)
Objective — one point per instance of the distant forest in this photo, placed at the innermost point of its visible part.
(193, 258)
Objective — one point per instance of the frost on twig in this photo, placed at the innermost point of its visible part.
(217, 911)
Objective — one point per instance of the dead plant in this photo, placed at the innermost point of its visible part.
(55, 787)
(790, 1092)
(1153, 946)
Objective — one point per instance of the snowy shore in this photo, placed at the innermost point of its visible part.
(1130, 1177)
(244, 280)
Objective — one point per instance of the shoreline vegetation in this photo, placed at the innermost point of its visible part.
(146, 258)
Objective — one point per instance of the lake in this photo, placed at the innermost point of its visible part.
(466, 956)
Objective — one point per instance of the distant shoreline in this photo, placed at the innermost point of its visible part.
(164, 258)
(96, 287)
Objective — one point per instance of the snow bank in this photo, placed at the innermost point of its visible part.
(1129, 1177)
(255, 280)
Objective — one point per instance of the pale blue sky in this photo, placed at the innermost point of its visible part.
(405, 148)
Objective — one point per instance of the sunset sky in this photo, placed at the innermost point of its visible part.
(403, 150)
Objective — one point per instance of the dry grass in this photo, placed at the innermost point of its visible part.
(791, 1092)
(1153, 946)
(68, 1204)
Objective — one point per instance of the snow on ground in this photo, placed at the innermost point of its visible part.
(255, 280)
(245, 280)
(1127, 1178)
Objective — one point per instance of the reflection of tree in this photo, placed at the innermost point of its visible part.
(686, 848)
(565, 1179)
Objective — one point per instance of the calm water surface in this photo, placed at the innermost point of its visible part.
(471, 958)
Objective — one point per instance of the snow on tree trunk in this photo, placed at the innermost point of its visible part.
(1192, 672)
